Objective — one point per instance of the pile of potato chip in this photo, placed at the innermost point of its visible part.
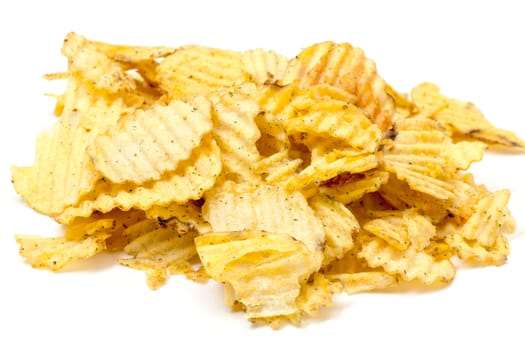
(288, 180)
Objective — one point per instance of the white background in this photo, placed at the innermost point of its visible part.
(473, 50)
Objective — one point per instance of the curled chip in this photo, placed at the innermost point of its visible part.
(286, 180)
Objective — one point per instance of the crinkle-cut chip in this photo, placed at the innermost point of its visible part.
(264, 67)
(473, 252)
(192, 178)
(94, 66)
(277, 168)
(339, 224)
(356, 187)
(463, 119)
(144, 146)
(63, 171)
(265, 269)
(401, 196)
(238, 207)
(156, 251)
(54, 253)
(236, 132)
(329, 165)
(187, 213)
(485, 223)
(402, 229)
(410, 264)
(423, 183)
(361, 282)
(332, 120)
(197, 70)
(346, 67)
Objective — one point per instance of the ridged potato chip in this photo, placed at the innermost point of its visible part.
(264, 269)
(193, 70)
(344, 66)
(150, 143)
(264, 67)
(189, 181)
(463, 119)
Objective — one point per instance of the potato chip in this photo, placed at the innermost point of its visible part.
(360, 282)
(195, 70)
(334, 120)
(63, 171)
(473, 252)
(157, 250)
(95, 67)
(189, 181)
(54, 253)
(409, 264)
(146, 145)
(330, 165)
(232, 207)
(339, 224)
(277, 168)
(264, 67)
(236, 132)
(463, 119)
(344, 66)
(353, 187)
(264, 269)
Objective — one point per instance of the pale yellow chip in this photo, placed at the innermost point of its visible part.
(344, 66)
(236, 132)
(195, 70)
(189, 181)
(54, 253)
(361, 282)
(264, 67)
(463, 119)
(263, 269)
(348, 188)
(63, 171)
(149, 143)
(329, 165)
(409, 264)
(94, 66)
(170, 245)
(233, 207)
(339, 223)
(278, 168)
